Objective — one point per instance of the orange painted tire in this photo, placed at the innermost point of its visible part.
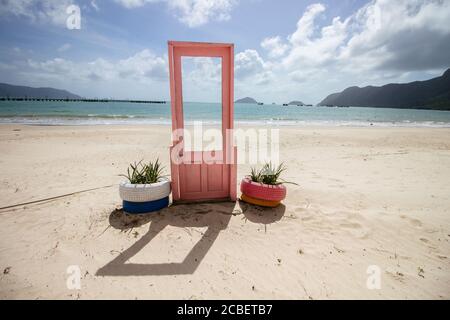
(259, 202)
(263, 191)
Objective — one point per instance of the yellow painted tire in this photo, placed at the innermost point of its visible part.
(259, 202)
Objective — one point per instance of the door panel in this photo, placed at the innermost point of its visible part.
(192, 177)
(202, 179)
(215, 177)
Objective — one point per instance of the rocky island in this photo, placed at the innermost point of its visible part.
(246, 100)
(429, 94)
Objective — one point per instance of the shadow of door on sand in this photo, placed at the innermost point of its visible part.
(214, 216)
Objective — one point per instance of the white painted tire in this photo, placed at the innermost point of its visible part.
(144, 192)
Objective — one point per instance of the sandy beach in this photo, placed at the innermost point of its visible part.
(366, 197)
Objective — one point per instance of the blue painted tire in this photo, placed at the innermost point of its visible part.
(144, 207)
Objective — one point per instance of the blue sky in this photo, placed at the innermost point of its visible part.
(285, 50)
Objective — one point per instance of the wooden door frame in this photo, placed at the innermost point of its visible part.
(178, 49)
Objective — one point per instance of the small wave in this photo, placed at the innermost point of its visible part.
(74, 121)
(131, 119)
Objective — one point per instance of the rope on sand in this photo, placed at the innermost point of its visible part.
(53, 198)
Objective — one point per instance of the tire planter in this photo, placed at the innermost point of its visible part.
(259, 202)
(144, 192)
(145, 207)
(143, 198)
(262, 191)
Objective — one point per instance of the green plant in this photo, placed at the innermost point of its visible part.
(139, 173)
(255, 175)
(269, 174)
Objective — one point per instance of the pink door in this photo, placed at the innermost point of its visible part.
(202, 175)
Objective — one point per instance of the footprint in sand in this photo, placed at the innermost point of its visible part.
(356, 229)
(414, 222)
(427, 242)
(307, 218)
(351, 225)
(304, 214)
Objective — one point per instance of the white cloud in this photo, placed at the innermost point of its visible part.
(141, 67)
(400, 35)
(193, 13)
(384, 41)
(55, 67)
(135, 3)
(248, 63)
(253, 75)
(95, 5)
(274, 46)
(202, 79)
(306, 26)
(308, 51)
(64, 47)
(41, 11)
(202, 69)
(139, 76)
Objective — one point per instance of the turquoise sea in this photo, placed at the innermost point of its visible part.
(84, 113)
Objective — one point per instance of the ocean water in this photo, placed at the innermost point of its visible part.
(84, 113)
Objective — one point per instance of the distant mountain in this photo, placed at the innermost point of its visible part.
(428, 94)
(8, 90)
(246, 100)
(296, 103)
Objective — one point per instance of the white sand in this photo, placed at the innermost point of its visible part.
(367, 196)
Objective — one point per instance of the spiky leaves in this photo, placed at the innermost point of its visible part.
(269, 174)
(139, 173)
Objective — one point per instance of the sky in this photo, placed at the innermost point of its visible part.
(284, 50)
